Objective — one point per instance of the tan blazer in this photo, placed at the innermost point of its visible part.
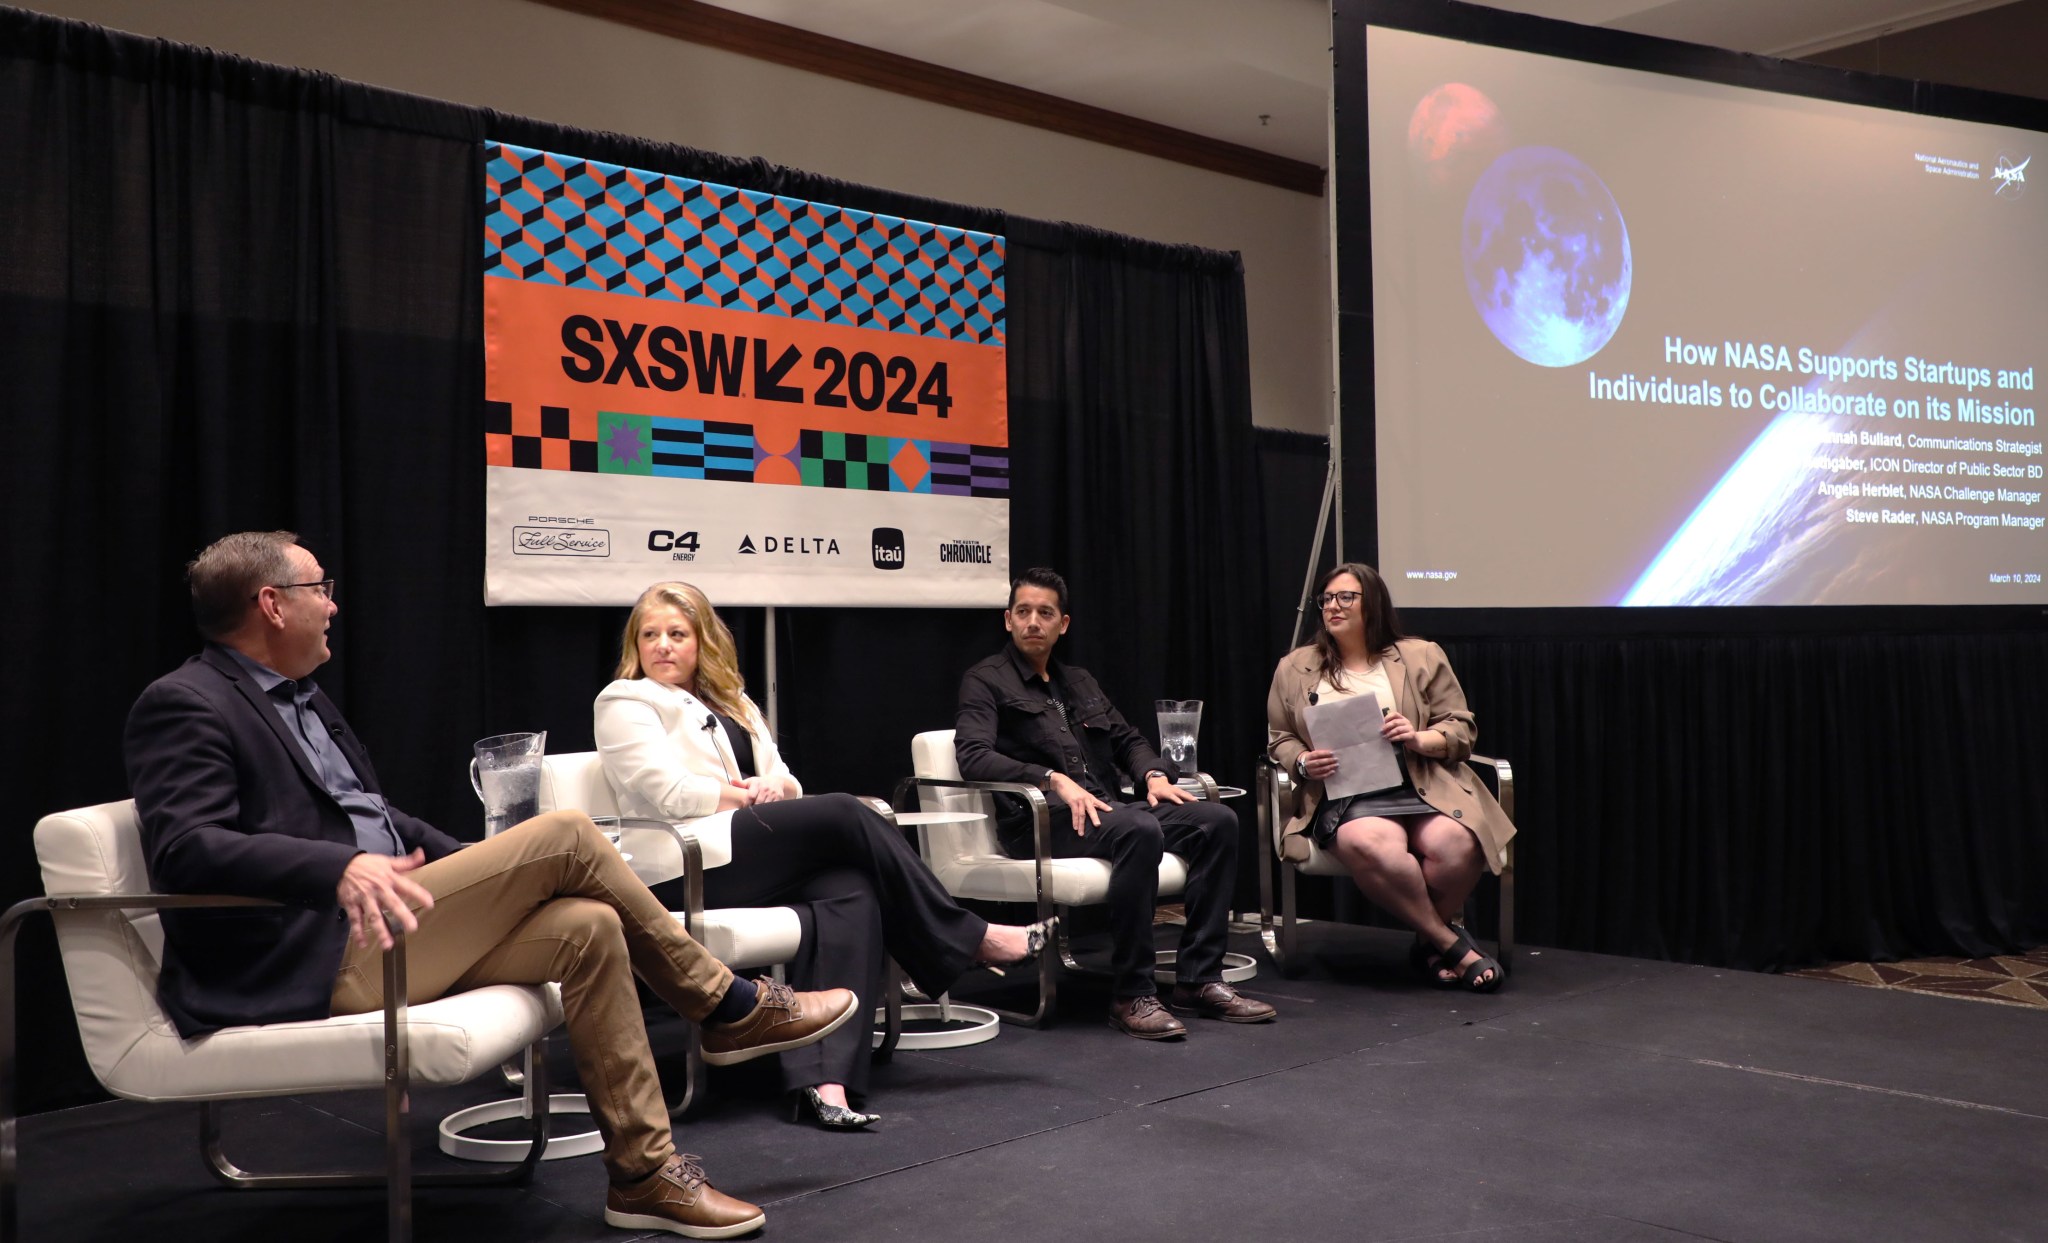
(1427, 693)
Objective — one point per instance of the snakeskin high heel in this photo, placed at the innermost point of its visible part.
(831, 1117)
(1036, 937)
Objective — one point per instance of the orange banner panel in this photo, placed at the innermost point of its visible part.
(589, 351)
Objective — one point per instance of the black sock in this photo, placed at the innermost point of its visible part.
(737, 1003)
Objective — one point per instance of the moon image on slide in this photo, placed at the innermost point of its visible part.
(1454, 133)
(1546, 256)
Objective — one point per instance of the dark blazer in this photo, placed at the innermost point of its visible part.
(230, 804)
(1003, 731)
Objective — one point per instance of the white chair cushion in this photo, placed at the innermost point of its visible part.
(969, 861)
(452, 1040)
(745, 937)
(576, 780)
(111, 962)
(1321, 862)
(741, 937)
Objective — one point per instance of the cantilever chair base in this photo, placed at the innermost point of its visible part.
(1045, 893)
(396, 1176)
(1280, 931)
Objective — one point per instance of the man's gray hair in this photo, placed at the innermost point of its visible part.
(230, 570)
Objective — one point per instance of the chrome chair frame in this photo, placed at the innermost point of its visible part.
(1044, 907)
(695, 1069)
(397, 1177)
(1280, 935)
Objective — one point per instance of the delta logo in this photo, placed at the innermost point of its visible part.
(789, 545)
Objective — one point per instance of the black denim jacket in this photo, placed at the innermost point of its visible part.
(1008, 730)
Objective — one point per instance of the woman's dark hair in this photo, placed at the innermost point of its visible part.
(1375, 609)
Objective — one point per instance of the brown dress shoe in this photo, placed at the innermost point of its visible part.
(1144, 1018)
(1217, 1000)
(676, 1198)
(782, 1018)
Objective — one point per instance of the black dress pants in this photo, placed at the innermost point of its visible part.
(1132, 837)
(869, 896)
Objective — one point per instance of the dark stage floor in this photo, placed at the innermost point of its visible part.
(1593, 1099)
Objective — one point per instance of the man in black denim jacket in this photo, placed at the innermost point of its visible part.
(1026, 717)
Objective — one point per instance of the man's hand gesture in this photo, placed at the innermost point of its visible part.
(1158, 789)
(375, 885)
(1084, 807)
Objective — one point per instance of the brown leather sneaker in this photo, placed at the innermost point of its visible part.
(782, 1019)
(1217, 1000)
(676, 1198)
(1144, 1018)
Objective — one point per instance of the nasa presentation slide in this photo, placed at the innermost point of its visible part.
(1646, 340)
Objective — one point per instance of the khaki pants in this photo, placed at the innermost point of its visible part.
(550, 900)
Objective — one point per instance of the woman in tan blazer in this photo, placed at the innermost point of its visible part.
(1415, 849)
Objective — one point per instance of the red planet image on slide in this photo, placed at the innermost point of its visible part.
(1453, 134)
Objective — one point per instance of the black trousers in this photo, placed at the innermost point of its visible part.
(863, 895)
(1132, 837)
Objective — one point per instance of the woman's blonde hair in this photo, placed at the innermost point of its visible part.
(718, 666)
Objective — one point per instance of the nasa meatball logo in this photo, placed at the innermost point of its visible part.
(2009, 179)
(888, 544)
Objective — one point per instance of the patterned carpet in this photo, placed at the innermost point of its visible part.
(2008, 979)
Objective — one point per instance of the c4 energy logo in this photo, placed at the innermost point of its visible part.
(2009, 180)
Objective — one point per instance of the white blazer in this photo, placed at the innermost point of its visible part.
(664, 763)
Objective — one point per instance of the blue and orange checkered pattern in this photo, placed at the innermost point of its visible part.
(612, 442)
(585, 224)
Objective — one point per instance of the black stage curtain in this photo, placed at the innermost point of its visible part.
(1133, 425)
(232, 297)
(1773, 801)
(242, 296)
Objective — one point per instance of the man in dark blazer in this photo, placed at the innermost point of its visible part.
(248, 781)
(1025, 716)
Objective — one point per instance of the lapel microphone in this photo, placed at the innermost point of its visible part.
(1311, 698)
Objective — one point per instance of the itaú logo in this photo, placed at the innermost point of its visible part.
(2010, 179)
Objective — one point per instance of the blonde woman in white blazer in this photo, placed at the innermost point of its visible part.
(681, 741)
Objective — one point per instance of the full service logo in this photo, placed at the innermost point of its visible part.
(968, 551)
(561, 542)
(790, 545)
(888, 543)
(2009, 180)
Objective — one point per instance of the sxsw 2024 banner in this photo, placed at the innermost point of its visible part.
(781, 401)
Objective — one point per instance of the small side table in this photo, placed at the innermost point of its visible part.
(1237, 968)
(957, 1025)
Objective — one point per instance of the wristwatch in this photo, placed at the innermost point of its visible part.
(1300, 764)
(1045, 780)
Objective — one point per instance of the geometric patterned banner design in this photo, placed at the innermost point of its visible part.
(618, 443)
(590, 225)
(801, 403)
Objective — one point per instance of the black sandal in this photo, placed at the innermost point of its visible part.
(1472, 978)
(1422, 960)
